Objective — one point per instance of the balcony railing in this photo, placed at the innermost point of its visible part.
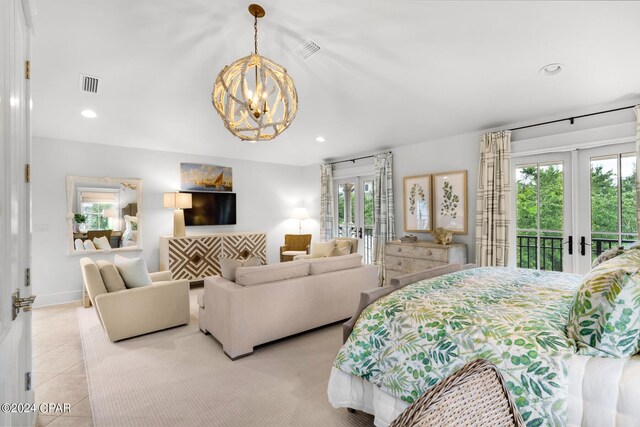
(551, 251)
(348, 230)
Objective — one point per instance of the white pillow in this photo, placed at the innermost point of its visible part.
(133, 271)
(101, 242)
(228, 266)
(89, 246)
(322, 249)
(78, 245)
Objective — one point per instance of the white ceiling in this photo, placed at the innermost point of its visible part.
(389, 72)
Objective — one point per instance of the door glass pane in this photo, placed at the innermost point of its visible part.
(540, 216)
(341, 211)
(628, 195)
(346, 210)
(368, 193)
(613, 201)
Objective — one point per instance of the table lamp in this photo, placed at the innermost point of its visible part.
(300, 214)
(178, 202)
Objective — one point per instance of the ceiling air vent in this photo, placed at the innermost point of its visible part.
(307, 49)
(89, 84)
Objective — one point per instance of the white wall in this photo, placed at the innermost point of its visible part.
(266, 195)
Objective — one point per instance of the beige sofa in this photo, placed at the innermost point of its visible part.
(270, 302)
(125, 314)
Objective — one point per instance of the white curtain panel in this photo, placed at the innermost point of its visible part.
(326, 202)
(384, 228)
(493, 200)
(637, 111)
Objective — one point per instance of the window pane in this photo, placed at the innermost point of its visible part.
(551, 198)
(604, 194)
(341, 216)
(628, 193)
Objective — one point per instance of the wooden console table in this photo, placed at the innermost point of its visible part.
(196, 257)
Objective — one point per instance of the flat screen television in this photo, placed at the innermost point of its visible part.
(211, 209)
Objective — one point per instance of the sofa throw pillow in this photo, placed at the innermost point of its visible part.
(343, 247)
(322, 249)
(89, 246)
(229, 266)
(78, 245)
(604, 319)
(110, 276)
(101, 243)
(607, 255)
(133, 271)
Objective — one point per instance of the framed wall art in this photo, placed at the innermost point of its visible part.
(202, 177)
(450, 201)
(417, 203)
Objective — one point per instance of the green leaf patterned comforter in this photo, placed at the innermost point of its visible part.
(408, 341)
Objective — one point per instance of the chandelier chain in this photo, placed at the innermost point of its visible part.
(255, 34)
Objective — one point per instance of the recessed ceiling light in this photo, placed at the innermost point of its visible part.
(89, 114)
(320, 139)
(551, 69)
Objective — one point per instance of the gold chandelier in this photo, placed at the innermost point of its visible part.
(255, 96)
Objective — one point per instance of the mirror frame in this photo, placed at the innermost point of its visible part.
(72, 182)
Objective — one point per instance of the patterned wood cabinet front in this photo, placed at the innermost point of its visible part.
(197, 257)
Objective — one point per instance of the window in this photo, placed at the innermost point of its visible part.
(101, 208)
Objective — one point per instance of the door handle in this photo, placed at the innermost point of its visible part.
(583, 245)
(569, 243)
(360, 233)
(18, 303)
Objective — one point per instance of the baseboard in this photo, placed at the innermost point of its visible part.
(43, 300)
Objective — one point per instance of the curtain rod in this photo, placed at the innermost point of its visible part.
(351, 160)
(571, 119)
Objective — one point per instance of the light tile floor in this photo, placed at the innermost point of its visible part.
(58, 365)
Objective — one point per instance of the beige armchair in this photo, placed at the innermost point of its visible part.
(132, 312)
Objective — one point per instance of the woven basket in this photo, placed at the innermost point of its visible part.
(475, 395)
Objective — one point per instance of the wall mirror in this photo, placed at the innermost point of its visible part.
(103, 214)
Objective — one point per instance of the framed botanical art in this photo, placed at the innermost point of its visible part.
(417, 203)
(450, 201)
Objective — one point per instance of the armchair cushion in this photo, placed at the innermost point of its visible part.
(343, 247)
(133, 271)
(323, 249)
(110, 276)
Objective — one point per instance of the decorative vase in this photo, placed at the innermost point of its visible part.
(82, 228)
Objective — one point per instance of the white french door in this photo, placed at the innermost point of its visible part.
(606, 201)
(354, 212)
(572, 206)
(543, 209)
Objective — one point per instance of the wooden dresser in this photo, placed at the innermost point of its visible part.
(402, 258)
(196, 257)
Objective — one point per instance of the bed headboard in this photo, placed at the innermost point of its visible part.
(369, 296)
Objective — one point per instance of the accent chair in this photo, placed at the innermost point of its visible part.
(294, 242)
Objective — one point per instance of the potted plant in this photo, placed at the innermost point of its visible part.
(81, 220)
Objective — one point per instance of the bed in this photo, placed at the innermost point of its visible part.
(406, 342)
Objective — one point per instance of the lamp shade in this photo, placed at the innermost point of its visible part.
(300, 213)
(177, 200)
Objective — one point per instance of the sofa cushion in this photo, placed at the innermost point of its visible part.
(343, 247)
(322, 249)
(246, 276)
(133, 271)
(110, 276)
(326, 265)
(229, 266)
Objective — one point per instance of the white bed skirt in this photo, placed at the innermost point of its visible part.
(602, 393)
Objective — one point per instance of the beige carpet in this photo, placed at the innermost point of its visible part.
(180, 377)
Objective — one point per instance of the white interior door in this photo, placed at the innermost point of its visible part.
(543, 212)
(354, 213)
(15, 331)
(607, 201)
